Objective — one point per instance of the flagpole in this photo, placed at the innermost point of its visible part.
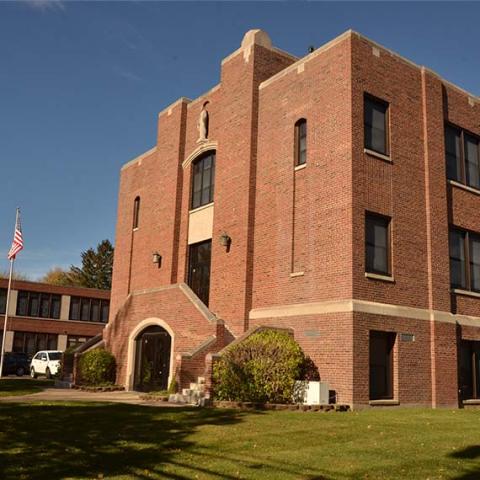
(12, 260)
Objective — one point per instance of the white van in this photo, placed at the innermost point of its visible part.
(45, 362)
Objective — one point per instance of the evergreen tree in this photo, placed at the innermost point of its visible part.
(97, 265)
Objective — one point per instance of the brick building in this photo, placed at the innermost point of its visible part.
(337, 195)
(47, 317)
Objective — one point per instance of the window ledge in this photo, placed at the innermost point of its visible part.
(203, 207)
(297, 274)
(471, 401)
(467, 293)
(376, 276)
(300, 167)
(381, 156)
(384, 403)
(474, 190)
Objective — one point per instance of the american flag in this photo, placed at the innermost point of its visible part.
(17, 243)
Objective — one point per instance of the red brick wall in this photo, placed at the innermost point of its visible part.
(323, 196)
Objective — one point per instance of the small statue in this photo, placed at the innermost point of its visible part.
(203, 123)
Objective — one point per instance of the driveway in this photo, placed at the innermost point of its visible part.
(72, 395)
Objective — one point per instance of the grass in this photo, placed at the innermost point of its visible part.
(119, 441)
(22, 386)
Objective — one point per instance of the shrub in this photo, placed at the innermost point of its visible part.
(97, 367)
(261, 368)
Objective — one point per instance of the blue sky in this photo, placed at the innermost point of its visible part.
(81, 84)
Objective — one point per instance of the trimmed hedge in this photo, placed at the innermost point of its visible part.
(97, 367)
(262, 368)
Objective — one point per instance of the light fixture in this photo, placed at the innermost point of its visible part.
(225, 240)
(157, 258)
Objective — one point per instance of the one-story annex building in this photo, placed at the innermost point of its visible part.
(337, 195)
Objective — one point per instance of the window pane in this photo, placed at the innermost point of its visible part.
(44, 306)
(105, 311)
(75, 308)
(55, 309)
(375, 125)
(34, 305)
(41, 341)
(452, 149)
(18, 342)
(377, 245)
(95, 310)
(22, 304)
(472, 162)
(51, 342)
(136, 212)
(85, 309)
(203, 171)
(30, 344)
(206, 185)
(475, 262)
(3, 300)
(457, 259)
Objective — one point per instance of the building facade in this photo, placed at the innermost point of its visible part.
(48, 317)
(337, 195)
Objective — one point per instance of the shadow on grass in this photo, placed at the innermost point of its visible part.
(102, 440)
(22, 386)
(469, 453)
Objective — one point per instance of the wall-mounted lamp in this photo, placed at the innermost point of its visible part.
(157, 258)
(225, 240)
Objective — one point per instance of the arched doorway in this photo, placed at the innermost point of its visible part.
(152, 359)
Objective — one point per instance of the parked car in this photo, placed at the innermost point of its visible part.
(46, 362)
(15, 363)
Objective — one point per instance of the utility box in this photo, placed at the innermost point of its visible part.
(312, 393)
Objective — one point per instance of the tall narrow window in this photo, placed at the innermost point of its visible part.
(453, 152)
(462, 151)
(464, 260)
(377, 244)
(136, 212)
(458, 270)
(203, 181)
(472, 161)
(376, 125)
(301, 142)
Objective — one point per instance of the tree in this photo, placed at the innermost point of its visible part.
(97, 265)
(16, 275)
(59, 277)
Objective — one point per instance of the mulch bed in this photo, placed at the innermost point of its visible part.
(281, 406)
(105, 388)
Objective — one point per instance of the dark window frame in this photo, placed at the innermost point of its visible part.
(463, 157)
(87, 302)
(388, 221)
(136, 213)
(371, 98)
(211, 186)
(467, 236)
(41, 296)
(299, 159)
(3, 300)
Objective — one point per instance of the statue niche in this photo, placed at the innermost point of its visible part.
(203, 124)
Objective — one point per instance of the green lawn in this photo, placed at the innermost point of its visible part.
(10, 387)
(92, 440)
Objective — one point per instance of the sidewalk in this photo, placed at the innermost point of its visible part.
(71, 395)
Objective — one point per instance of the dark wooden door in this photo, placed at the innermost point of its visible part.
(199, 260)
(381, 365)
(152, 361)
(469, 370)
